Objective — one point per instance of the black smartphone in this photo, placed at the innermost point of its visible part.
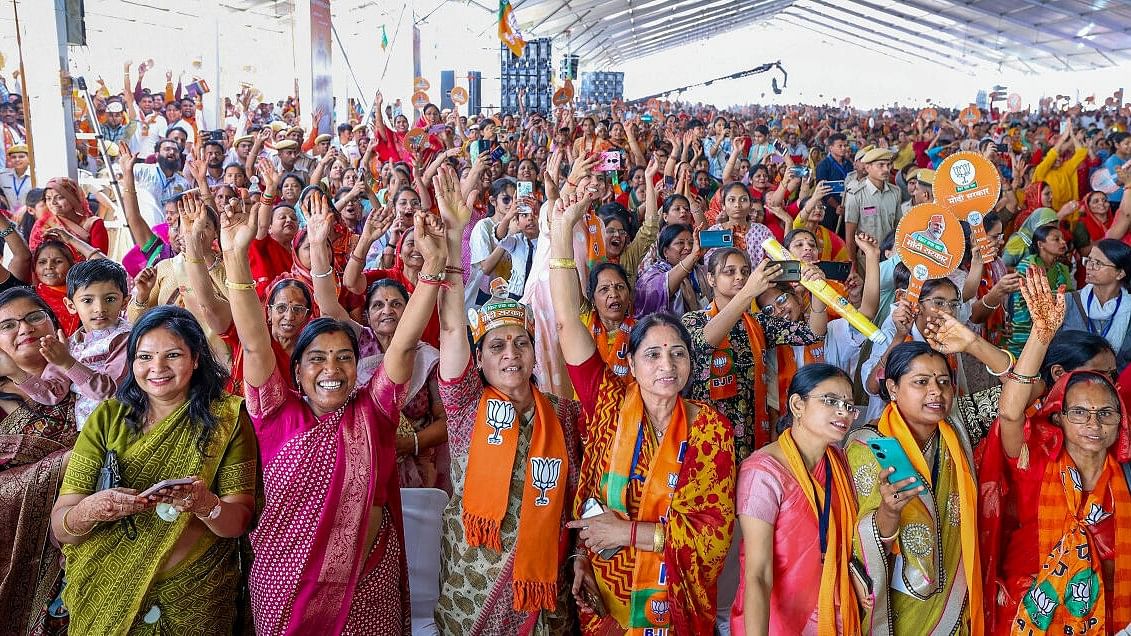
(498, 153)
(835, 270)
(790, 271)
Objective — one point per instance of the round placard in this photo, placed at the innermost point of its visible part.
(970, 115)
(419, 99)
(930, 243)
(968, 185)
(458, 95)
(416, 139)
(420, 84)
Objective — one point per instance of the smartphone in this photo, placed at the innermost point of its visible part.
(799, 171)
(835, 270)
(609, 162)
(438, 129)
(646, 118)
(165, 485)
(473, 151)
(777, 158)
(716, 238)
(591, 508)
(669, 183)
(890, 454)
(835, 187)
(498, 153)
(524, 191)
(790, 271)
(857, 571)
(216, 135)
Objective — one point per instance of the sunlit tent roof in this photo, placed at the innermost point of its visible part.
(1026, 35)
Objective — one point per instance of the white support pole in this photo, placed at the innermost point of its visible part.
(313, 45)
(43, 32)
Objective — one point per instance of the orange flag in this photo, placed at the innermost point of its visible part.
(508, 29)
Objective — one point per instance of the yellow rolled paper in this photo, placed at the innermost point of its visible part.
(829, 296)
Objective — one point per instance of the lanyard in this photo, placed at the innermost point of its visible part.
(636, 454)
(1111, 321)
(826, 509)
(19, 188)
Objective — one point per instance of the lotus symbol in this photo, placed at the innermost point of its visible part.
(544, 474)
(962, 172)
(500, 417)
(660, 610)
(1081, 592)
(1043, 603)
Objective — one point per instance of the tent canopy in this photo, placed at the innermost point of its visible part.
(1031, 36)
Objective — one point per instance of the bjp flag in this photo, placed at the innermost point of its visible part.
(508, 29)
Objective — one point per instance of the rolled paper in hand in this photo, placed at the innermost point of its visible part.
(829, 296)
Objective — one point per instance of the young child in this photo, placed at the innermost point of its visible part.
(92, 362)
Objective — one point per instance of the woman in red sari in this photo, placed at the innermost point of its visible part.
(67, 208)
(50, 264)
(1055, 524)
(289, 308)
(328, 547)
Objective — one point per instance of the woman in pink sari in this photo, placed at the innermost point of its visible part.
(328, 548)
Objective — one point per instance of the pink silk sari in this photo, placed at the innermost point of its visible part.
(321, 477)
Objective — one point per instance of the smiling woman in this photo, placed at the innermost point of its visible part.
(647, 541)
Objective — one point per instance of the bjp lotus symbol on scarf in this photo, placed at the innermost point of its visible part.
(544, 474)
(500, 417)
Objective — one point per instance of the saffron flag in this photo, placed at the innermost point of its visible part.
(508, 29)
(384, 38)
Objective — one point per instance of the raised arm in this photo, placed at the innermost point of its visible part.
(200, 298)
(1047, 311)
(266, 208)
(236, 234)
(870, 300)
(431, 240)
(140, 231)
(454, 348)
(576, 343)
(719, 326)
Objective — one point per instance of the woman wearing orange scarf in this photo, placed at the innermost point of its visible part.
(514, 462)
(660, 469)
(918, 544)
(1056, 508)
(798, 512)
(68, 209)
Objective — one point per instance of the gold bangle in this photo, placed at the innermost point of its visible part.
(230, 285)
(194, 261)
(659, 537)
(67, 528)
(563, 263)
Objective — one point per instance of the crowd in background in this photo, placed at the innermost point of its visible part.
(227, 348)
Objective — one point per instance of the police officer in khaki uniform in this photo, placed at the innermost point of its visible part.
(871, 205)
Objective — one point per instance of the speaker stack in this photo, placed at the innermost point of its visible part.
(533, 72)
(601, 87)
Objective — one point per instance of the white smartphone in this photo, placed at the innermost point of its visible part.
(165, 485)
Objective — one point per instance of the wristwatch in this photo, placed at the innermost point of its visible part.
(214, 513)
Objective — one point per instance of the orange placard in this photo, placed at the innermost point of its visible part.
(419, 99)
(1013, 103)
(563, 96)
(420, 84)
(415, 139)
(968, 185)
(458, 95)
(929, 114)
(929, 241)
(970, 115)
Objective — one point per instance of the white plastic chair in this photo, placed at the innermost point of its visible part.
(422, 509)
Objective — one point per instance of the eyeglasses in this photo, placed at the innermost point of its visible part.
(833, 402)
(32, 319)
(616, 232)
(1094, 263)
(1076, 414)
(941, 304)
(781, 301)
(280, 309)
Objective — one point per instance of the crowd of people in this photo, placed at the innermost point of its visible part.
(217, 378)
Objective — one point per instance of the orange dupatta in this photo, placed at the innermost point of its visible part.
(490, 463)
(1068, 594)
(790, 359)
(835, 582)
(891, 424)
(724, 382)
(647, 608)
(595, 253)
(615, 353)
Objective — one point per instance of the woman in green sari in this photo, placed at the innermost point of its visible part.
(166, 563)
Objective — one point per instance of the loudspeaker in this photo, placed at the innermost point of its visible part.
(76, 22)
(474, 88)
(447, 83)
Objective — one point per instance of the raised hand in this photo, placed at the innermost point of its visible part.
(651, 171)
(267, 174)
(1045, 308)
(453, 209)
(761, 279)
(54, 349)
(947, 335)
(903, 316)
(143, 284)
(567, 213)
(431, 238)
(238, 227)
(377, 223)
(867, 245)
(126, 159)
(320, 221)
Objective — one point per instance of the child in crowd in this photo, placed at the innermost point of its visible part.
(92, 361)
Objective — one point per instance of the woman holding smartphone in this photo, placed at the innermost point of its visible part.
(918, 543)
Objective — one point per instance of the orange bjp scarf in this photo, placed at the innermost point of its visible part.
(1068, 594)
(595, 251)
(615, 353)
(836, 586)
(891, 424)
(647, 610)
(724, 381)
(490, 463)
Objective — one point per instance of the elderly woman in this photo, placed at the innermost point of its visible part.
(651, 547)
(68, 209)
(176, 549)
(918, 543)
(514, 464)
(35, 444)
(422, 433)
(327, 445)
(1057, 560)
